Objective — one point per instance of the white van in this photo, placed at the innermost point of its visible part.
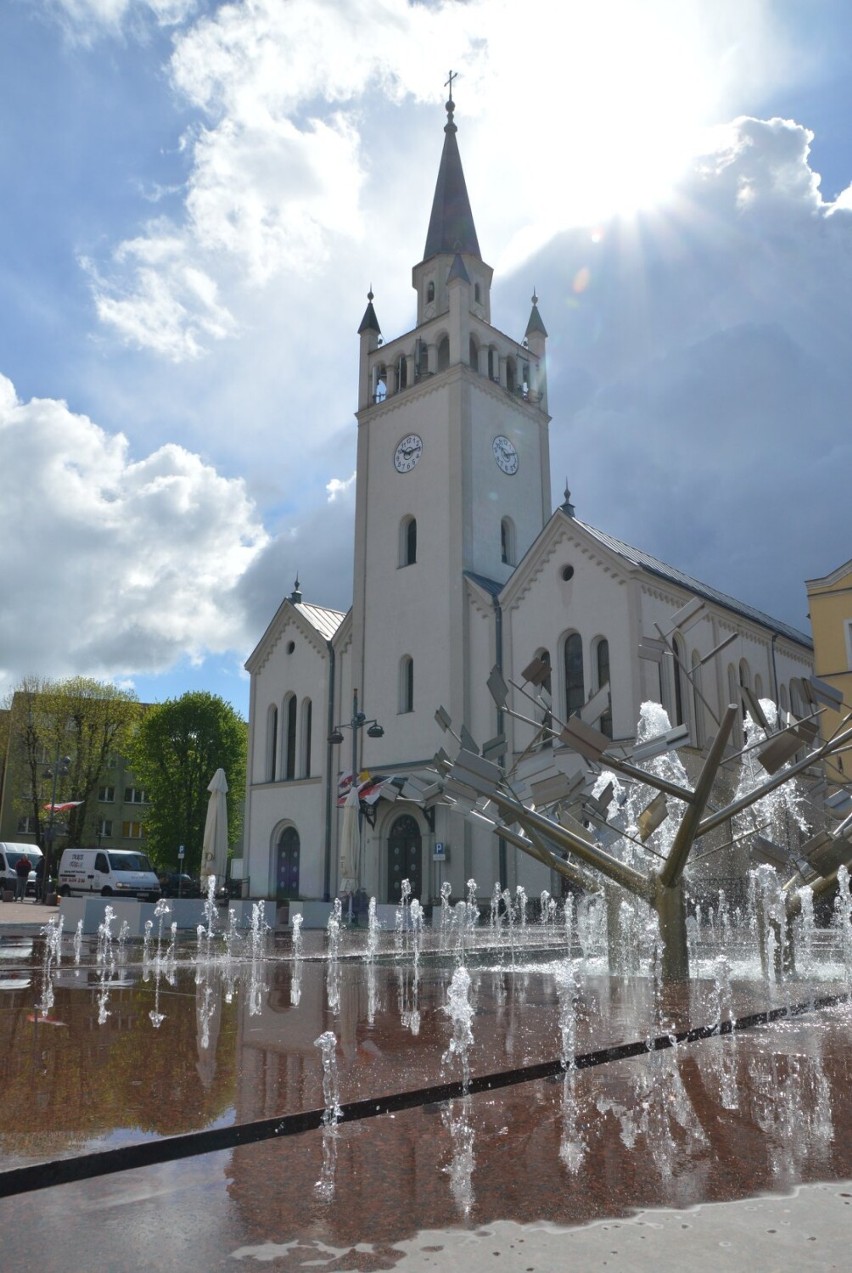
(112, 873)
(10, 855)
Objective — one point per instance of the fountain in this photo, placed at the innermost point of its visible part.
(563, 1065)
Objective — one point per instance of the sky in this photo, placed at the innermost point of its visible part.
(197, 196)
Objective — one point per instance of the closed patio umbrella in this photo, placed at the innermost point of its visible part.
(214, 850)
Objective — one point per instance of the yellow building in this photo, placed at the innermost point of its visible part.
(830, 607)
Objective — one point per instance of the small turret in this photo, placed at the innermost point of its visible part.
(535, 338)
(371, 338)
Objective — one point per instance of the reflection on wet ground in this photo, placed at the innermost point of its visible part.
(112, 1053)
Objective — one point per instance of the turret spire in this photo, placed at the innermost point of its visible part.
(451, 227)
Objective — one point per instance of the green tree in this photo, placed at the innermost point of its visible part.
(175, 752)
(87, 721)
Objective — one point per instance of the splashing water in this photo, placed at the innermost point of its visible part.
(458, 1008)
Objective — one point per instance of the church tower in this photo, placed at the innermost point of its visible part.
(453, 478)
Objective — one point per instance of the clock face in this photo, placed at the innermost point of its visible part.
(505, 454)
(407, 453)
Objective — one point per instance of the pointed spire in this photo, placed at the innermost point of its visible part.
(451, 227)
(535, 325)
(369, 322)
(567, 506)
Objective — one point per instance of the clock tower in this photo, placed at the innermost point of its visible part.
(453, 480)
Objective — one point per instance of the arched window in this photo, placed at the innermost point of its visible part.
(402, 372)
(734, 697)
(473, 353)
(444, 353)
(493, 365)
(697, 705)
(406, 684)
(677, 676)
(430, 292)
(380, 391)
(290, 737)
(602, 678)
(511, 377)
(575, 694)
(307, 721)
(507, 542)
(287, 864)
(408, 541)
(477, 294)
(271, 743)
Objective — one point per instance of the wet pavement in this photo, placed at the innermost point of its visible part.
(733, 1152)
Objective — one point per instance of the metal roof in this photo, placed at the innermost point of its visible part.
(654, 566)
(324, 620)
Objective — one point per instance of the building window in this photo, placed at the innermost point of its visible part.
(380, 390)
(307, 718)
(408, 541)
(444, 354)
(602, 676)
(677, 674)
(290, 748)
(477, 294)
(135, 795)
(271, 743)
(510, 375)
(493, 365)
(103, 829)
(131, 830)
(697, 705)
(26, 826)
(406, 684)
(507, 541)
(430, 292)
(402, 372)
(106, 795)
(575, 695)
(473, 354)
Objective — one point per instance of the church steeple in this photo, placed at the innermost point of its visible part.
(451, 227)
(452, 248)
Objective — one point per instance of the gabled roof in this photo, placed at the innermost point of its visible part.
(451, 227)
(324, 620)
(653, 565)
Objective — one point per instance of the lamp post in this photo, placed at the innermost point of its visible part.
(358, 722)
(59, 769)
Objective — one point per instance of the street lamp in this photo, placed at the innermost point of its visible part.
(358, 722)
(60, 769)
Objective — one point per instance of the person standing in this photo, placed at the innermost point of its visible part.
(22, 871)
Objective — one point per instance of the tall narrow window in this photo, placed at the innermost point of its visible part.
(602, 671)
(510, 375)
(408, 541)
(406, 684)
(507, 541)
(677, 673)
(492, 365)
(444, 354)
(402, 372)
(307, 714)
(477, 294)
(575, 695)
(430, 292)
(272, 744)
(473, 354)
(697, 705)
(290, 750)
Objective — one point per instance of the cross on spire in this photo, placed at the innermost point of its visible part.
(449, 83)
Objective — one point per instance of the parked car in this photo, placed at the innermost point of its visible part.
(178, 884)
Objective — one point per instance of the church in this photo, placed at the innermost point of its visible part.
(461, 566)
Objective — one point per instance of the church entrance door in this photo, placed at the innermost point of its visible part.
(405, 858)
(287, 866)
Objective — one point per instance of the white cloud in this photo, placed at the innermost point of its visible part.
(116, 565)
(706, 366)
(87, 19)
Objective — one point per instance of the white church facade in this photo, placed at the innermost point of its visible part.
(460, 566)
